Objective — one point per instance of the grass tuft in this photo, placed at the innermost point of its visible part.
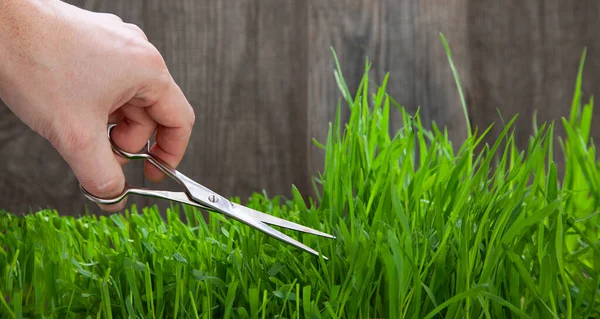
(422, 232)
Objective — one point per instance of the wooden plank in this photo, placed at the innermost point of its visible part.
(32, 174)
(210, 48)
(282, 93)
(259, 74)
(435, 88)
(400, 37)
(524, 58)
(242, 64)
(350, 28)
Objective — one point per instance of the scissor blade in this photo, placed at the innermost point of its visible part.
(168, 195)
(250, 220)
(272, 220)
(242, 214)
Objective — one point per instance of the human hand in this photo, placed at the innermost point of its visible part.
(67, 73)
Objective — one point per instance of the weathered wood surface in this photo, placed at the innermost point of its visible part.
(524, 57)
(259, 75)
(399, 37)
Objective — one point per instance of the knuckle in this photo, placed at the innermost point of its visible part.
(112, 16)
(153, 56)
(72, 139)
(164, 82)
(137, 29)
(191, 117)
(152, 92)
(146, 54)
(77, 140)
(134, 26)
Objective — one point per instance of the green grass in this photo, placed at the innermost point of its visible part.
(488, 231)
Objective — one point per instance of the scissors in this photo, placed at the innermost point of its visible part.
(200, 196)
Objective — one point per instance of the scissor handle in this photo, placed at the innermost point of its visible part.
(127, 191)
(143, 154)
(194, 192)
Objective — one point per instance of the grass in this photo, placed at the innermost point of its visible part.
(489, 231)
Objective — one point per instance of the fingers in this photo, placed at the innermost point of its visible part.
(166, 111)
(175, 118)
(115, 117)
(134, 129)
(88, 152)
(170, 116)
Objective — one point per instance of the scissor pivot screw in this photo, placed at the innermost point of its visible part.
(213, 198)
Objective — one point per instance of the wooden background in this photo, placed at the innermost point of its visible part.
(259, 75)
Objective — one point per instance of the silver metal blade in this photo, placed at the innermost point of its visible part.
(272, 220)
(242, 214)
(250, 220)
(168, 195)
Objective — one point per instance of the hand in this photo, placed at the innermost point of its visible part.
(67, 73)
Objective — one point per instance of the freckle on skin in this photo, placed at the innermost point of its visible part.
(16, 34)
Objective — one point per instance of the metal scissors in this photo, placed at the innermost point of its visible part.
(200, 196)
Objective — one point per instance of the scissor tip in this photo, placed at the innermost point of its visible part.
(322, 234)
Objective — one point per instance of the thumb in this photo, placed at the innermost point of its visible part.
(88, 152)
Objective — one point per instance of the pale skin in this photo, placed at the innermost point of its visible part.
(67, 73)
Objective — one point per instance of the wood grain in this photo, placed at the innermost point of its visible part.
(400, 37)
(352, 28)
(282, 94)
(524, 58)
(259, 76)
(33, 175)
(211, 50)
(436, 92)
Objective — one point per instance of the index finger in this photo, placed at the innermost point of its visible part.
(175, 118)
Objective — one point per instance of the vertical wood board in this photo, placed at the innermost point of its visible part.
(524, 61)
(399, 37)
